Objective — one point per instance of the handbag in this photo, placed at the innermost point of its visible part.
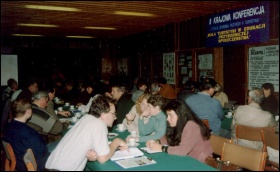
(222, 165)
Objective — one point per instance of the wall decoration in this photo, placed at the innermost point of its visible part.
(169, 67)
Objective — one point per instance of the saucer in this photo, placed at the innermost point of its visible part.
(112, 135)
(136, 144)
(228, 116)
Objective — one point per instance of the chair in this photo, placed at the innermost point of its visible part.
(252, 133)
(10, 161)
(271, 140)
(217, 144)
(30, 160)
(251, 159)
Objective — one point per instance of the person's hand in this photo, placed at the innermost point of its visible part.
(153, 145)
(145, 113)
(64, 113)
(91, 155)
(123, 145)
(130, 117)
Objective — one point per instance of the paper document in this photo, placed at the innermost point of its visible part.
(133, 152)
(135, 162)
(148, 150)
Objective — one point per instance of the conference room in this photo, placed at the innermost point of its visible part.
(234, 42)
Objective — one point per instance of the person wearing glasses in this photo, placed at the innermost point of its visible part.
(89, 133)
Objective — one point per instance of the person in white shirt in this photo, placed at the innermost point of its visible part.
(90, 132)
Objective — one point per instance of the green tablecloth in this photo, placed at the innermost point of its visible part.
(165, 162)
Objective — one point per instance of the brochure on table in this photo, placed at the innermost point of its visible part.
(132, 158)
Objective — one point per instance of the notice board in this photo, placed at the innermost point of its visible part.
(169, 67)
(263, 66)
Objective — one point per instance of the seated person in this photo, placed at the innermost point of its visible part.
(90, 132)
(270, 102)
(154, 88)
(186, 134)
(71, 92)
(156, 126)
(190, 88)
(252, 115)
(205, 107)
(31, 86)
(83, 96)
(41, 120)
(123, 101)
(220, 95)
(141, 88)
(22, 137)
(131, 120)
(166, 90)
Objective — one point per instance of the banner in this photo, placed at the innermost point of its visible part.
(242, 26)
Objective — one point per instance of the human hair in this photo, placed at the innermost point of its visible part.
(268, 86)
(100, 104)
(19, 107)
(161, 80)
(30, 81)
(184, 114)
(256, 95)
(156, 100)
(140, 100)
(154, 87)
(208, 83)
(141, 82)
(39, 94)
(11, 81)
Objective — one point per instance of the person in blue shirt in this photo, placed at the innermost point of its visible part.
(206, 107)
(21, 136)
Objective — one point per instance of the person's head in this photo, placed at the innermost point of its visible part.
(178, 114)
(136, 94)
(90, 87)
(40, 98)
(154, 88)
(141, 103)
(12, 83)
(161, 81)
(208, 86)
(103, 107)
(21, 108)
(51, 92)
(268, 89)
(117, 91)
(218, 89)
(155, 104)
(32, 85)
(69, 85)
(255, 95)
(142, 84)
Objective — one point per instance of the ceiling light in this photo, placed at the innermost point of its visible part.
(100, 28)
(54, 8)
(127, 13)
(36, 25)
(79, 37)
(25, 35)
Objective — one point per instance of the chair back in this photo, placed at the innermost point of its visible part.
(217, 143)
(10, 161)
(252, 133)
(251, 159)
(271, 140)
(29, 160)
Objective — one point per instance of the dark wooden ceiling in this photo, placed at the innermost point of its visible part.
(99, 13)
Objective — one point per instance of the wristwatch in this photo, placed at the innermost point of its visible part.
(164, 148)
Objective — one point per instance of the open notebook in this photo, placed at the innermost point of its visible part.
(133, 152)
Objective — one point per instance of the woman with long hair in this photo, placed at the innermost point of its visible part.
(186, 134)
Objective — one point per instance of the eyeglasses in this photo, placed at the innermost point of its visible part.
(114, 114)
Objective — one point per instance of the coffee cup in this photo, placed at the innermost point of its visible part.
(277, 118)
(121, 127)
(78, 115)
(74, 119)
(56, 99)
(229, 114)
(133, 134)
(55, 111)
(72, 107)
(60, 108)
(67, 104)
(132, 142)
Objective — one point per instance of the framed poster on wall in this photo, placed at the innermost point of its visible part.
(263, 66)
(169, 67)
